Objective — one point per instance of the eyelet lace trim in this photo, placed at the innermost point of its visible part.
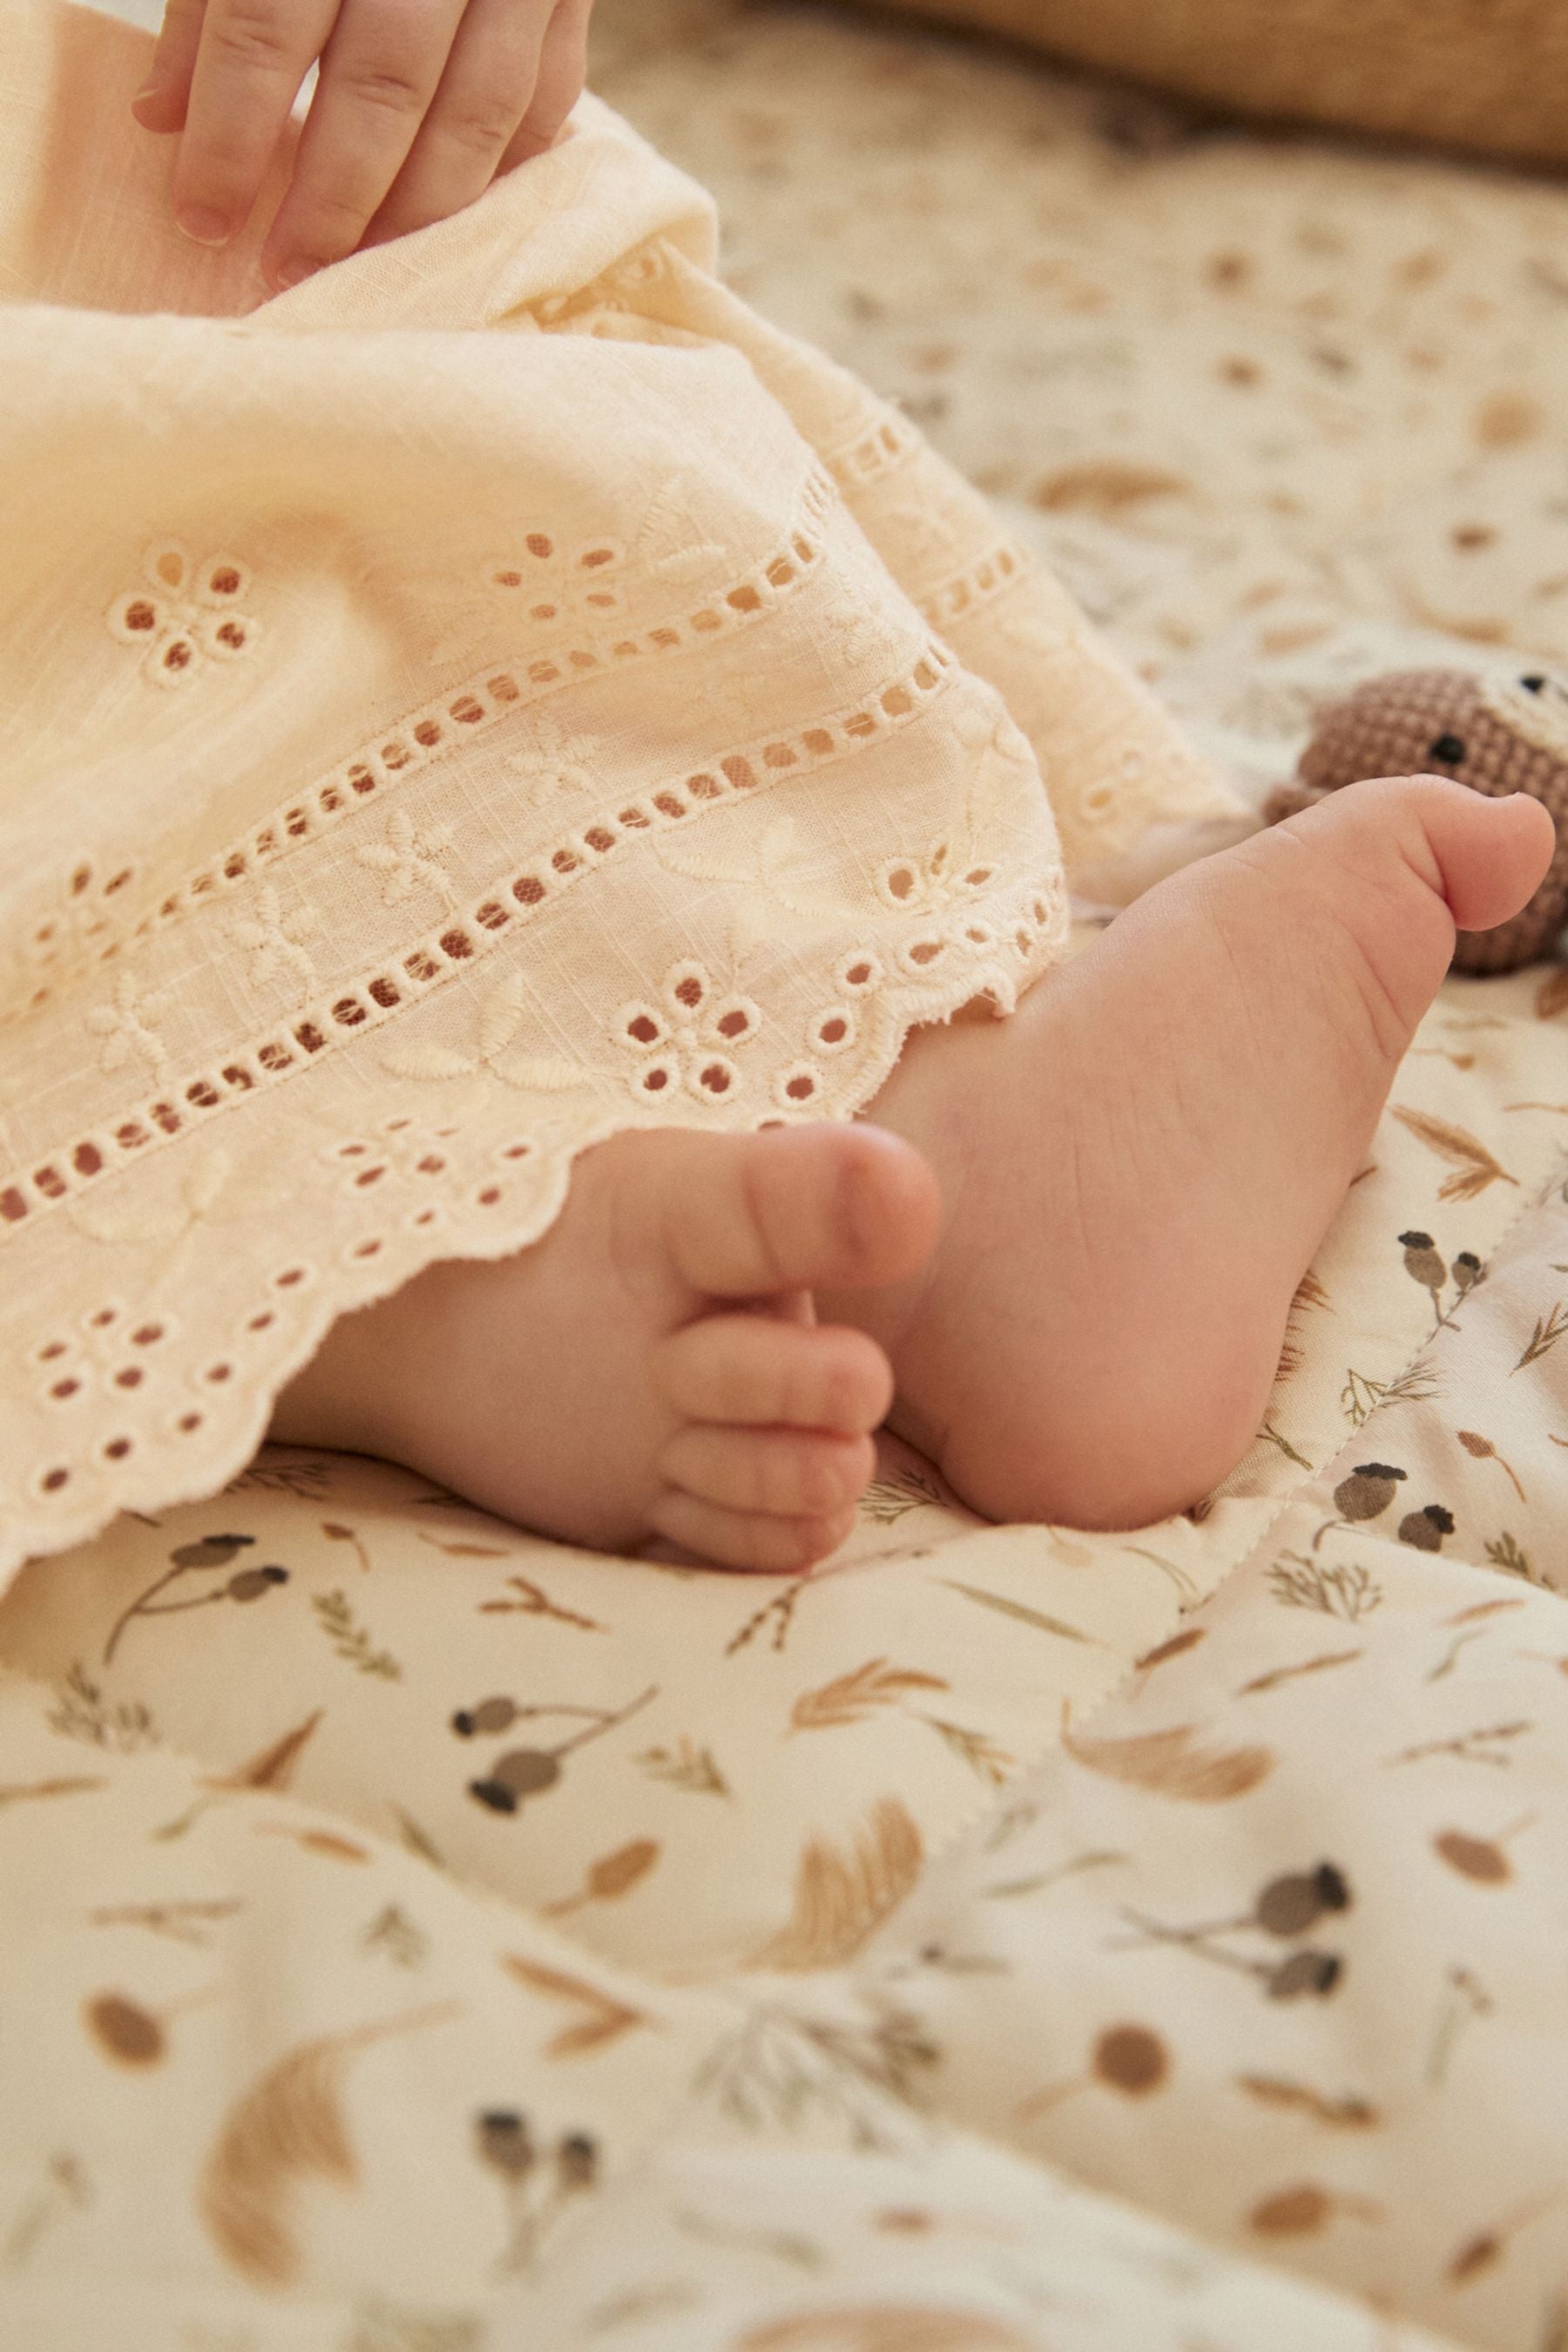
(454, 719)
(876, 450)
(458, 945)
(182, 1416)
(1003, 568)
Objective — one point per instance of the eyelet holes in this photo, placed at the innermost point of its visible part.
(643, 1028)
(832, 1032)
(714, 1077)
(796, 1088)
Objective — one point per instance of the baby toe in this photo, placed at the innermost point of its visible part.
(793, 1474)
(797, 1209)
(752, 1368)
(765, 1543)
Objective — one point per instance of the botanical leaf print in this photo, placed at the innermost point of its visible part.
(612, 1875)
(1481, 1449)
(1361, 1396)
(124, 2030)
(1483, 1861)
(1107, 486)
(982, 1754)
(605, 2019)
(1505, 1554)
(1301, 2210)
(1340, 1590)
(1020, 1610)
(335, 1616)
(22, 1793)
(286, 2128)
(685, 1766)
(1131, 2060)
(393, 1932)
(83, 1713)
(1345, 2114)
(1310, 1294)
(852, 1698)
(1278, 1675)
(1171, 1763)
(1549, 1329)
(274, 1767)
(1473, 1165)
(910, 1487)
(1551, 996)
(532, 1600)
(886, 2327)
(338, 1533)
(325, 1843)
(843, 1894)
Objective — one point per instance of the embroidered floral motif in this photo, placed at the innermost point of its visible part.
(500, 1022)
(410, 858)
(187, 614)
(951, 871)
(126, 1026)
(274, 939)
(689, 1041)
(763, 880)
(547, 582)
(552, 763)
(377, 995)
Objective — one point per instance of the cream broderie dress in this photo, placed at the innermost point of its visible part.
(497, 694)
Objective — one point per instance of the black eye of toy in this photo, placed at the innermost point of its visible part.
(1534, 684)
(1448, 749)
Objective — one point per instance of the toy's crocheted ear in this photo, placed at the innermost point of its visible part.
(1498, 735)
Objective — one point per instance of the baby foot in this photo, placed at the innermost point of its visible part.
(1140, 1165)
(594, 1388)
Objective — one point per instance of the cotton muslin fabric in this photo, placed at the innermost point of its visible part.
(496, 695)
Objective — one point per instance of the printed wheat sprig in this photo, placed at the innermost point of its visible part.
(1473, 1165)
(1549, 1329)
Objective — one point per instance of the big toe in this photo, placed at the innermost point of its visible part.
(798, 1209)
(1484, 857)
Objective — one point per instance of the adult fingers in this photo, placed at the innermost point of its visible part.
(485, 92)
(159, 103)
(380, 70)
(563, 71)
(251, 58)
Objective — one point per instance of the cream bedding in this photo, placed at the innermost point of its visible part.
(422, 1939)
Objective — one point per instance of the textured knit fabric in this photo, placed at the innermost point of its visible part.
(496, 695)
(1497, 734)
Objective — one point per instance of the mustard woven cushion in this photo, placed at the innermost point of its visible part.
(1487, 74)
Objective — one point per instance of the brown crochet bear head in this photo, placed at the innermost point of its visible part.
(1501, 734)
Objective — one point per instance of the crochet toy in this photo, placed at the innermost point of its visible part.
(1501, 734)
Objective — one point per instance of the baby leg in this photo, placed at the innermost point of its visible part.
(1139, 1166)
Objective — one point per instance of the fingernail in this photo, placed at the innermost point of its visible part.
(204, 226)
(293, 272)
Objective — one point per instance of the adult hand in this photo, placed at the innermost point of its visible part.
(419, 104)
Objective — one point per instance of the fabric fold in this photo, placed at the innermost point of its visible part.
(494, 696)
